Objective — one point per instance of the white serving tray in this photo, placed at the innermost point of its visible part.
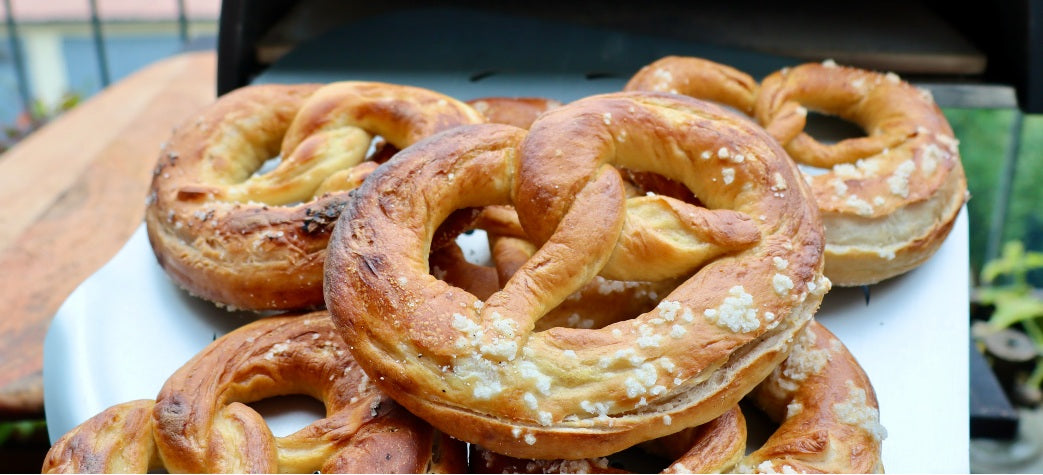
(127, 328)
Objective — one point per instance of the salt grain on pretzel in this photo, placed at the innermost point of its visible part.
(888, 199)
(257, 241)
(475, 368)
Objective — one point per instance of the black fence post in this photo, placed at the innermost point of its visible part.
(19, 62)
(99, 44)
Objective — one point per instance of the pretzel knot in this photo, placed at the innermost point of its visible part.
(889, 198)
(200, 422)
(477, 370)
(245, 239)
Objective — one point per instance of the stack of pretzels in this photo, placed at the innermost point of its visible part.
(657, 258)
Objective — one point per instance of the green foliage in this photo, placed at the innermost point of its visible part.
(985, 140)
(19, 430)
(38, 116)
(1006, 287)
(1025, 214)
(984, 136)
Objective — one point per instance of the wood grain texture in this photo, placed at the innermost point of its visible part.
(72, 194)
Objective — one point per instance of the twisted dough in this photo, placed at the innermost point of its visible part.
(829, 418)
(888, 199)
(516, 111)
(598, 303)
(714, 447)
(821, 396)
(476, 370)
(825, 404)
(200, 422)
(699, 78)
(117, 440)
(257, 241)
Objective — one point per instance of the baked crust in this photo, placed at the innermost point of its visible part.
(714, 447)
(516, 111)
(828, 415)
(116, 440)
(699, 78)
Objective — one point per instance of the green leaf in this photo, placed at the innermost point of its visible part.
(1013, 310)
(994, 295)
(6, 429)
(1034, 260)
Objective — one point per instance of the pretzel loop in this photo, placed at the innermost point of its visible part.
(245, 239)
(697, 77)
(201, 423)
(889, 198)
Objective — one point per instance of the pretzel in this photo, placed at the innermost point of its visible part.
(475, 369)
(516, 111)
(713, 447)
(117, 440)
(828, 414)
(829, 418)
(200, 421)
(200, 413)
(699, 78)
(257, 241)
(888, 199)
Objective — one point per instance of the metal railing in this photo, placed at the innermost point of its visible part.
(15, 44)
(97, 33)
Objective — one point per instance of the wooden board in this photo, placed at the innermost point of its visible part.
(72, 194)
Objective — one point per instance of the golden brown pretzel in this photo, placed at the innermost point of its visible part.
(200, 421)
(714, 447)
(117, 440)
(699, 78)
(516, 111)
(476, 370)
(258, 241)
(825, 404)
(888, 199)
(829, 418)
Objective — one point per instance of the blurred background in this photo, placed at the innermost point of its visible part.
(55, 54)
